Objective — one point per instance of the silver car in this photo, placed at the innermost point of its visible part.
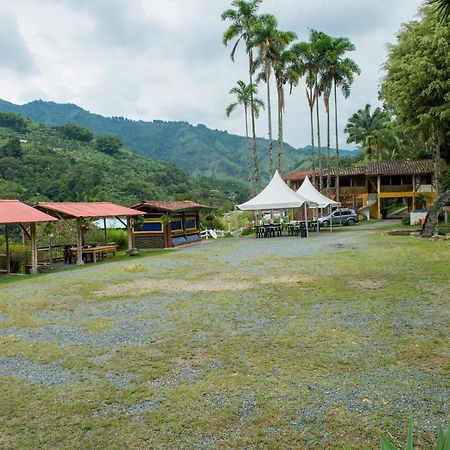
(342, 216)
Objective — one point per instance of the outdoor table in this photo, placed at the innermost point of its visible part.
(268, 230)
(95, 253)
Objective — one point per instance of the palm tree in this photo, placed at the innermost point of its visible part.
(442, 8)
(243, 19)
(282, 63)
(368, 129)
(304, 65)
(343, 71)
(264, 35)
(319, 42)
(246, 96)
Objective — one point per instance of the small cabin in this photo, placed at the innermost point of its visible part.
(166, 224)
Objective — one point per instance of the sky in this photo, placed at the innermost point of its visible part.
(165, 60)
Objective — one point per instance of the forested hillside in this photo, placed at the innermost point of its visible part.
(197, 150)
(70, 163)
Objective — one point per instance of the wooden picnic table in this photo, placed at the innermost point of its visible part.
(96, 252)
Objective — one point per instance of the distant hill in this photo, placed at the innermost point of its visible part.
(197, 150)
(41, 163)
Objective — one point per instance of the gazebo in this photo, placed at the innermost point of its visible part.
(167, 223)
(17, 213)
(80, 211)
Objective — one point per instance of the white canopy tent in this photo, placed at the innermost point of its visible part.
(277, 195)
(308, 191)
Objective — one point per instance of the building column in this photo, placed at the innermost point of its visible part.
(34, 261)
(378, 196)
(8, 256)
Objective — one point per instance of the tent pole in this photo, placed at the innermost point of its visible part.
(331, 220)
(236, 220)
(306, 219)
(8, 256)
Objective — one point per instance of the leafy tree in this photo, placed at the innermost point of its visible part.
(243, 18)
(416, 87)
(246, 97)
(108, 144)
(14, 121)
(76, 132)
(11, 148)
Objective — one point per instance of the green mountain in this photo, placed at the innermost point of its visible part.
(197, 150)
(69, 163)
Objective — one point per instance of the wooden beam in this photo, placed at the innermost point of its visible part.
(105, 230)
(129, 234)
(8, 256)
(79, 243)
(34, 260)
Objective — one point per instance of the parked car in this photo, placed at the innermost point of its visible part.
(342, 216)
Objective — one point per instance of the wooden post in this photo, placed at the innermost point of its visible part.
(306, 219)
(378, 196)
(105, 230)
(8, 256)
(79, 243)
(129, 234)
(34, 260)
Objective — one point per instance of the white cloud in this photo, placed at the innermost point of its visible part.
(165, 60)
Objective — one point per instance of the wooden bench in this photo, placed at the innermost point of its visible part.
(95, 253)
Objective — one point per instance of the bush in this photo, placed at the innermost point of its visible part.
(18, 257)
(118, 236)
(406, 220)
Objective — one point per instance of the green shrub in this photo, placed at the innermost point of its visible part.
(406, 220)
(18, 257)
(118, 236)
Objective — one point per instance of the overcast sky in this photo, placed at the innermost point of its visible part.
(148, 59)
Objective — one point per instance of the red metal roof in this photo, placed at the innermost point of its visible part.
(85, 209)
(14, 211)
(168, 206)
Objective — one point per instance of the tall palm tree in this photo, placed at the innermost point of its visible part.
(369, 130)
(243, 18)
(282, 63)
(264, 35)
(343, 71)
(336, 72)
(442, 8)
(304, 65)
(246, 97)
(319, 41)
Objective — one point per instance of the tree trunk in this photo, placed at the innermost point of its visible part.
(432, 217)
(327, 109)
(337, 143)
(319, 150)
(247, 154)
(255, 152)
(280, 127)
(311, 117)
(437, 166)
(269, 118)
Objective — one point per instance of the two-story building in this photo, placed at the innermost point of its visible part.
(366, 188)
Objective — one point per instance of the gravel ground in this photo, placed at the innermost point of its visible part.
(143, 319)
